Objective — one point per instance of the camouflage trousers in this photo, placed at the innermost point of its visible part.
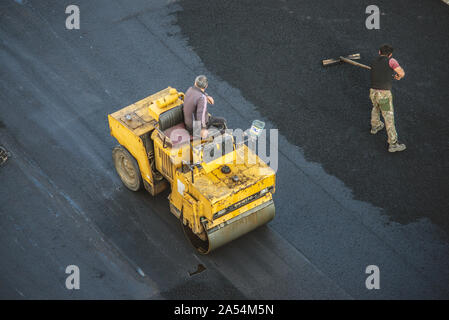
(383, 103)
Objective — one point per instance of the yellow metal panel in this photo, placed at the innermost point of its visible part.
(180, 187)
(163, 101)
(267, 197)
(226, 159)
(220, 189)
(136, 117)
(244, 192)
(141, 116)
(144, 115)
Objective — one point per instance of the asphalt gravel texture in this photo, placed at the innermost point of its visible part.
(342, 201)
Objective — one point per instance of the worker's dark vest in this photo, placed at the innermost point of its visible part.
(381, 73)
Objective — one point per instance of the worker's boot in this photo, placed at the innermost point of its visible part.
(396, 147)
(378, 128)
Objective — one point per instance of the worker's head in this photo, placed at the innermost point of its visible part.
(386, 50)
(201, 82)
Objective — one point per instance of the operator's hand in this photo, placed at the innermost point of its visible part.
(204, 133)
(400, 73)
(210, 100)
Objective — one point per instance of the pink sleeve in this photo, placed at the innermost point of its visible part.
(393, 63)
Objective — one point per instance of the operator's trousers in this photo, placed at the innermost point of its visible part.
(217, 122)
(213, 122)
(383, 103)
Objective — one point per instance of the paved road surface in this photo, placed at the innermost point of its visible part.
(62, 203)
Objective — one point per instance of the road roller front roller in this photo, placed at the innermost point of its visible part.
(220, 189)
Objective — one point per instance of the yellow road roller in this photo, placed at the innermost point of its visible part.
(219, 188)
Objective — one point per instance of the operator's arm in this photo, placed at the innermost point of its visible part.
(210, 100)
(397, 68)
(202, 115)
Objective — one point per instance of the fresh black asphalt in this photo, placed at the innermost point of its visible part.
(272, 52)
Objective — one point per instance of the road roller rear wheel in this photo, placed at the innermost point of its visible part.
(127, 168)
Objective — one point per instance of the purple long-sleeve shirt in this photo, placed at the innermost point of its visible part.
(195, 99)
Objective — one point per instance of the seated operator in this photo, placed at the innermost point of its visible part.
(195, 109)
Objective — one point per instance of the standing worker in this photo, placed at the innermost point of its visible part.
(195, 108)
(380, 94)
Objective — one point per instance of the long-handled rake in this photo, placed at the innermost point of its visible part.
(348, 59)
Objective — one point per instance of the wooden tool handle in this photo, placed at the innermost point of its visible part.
(355, 63)
(328, 62)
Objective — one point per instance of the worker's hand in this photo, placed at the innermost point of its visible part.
(400, 73)
(210, 99)
(204, 133)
